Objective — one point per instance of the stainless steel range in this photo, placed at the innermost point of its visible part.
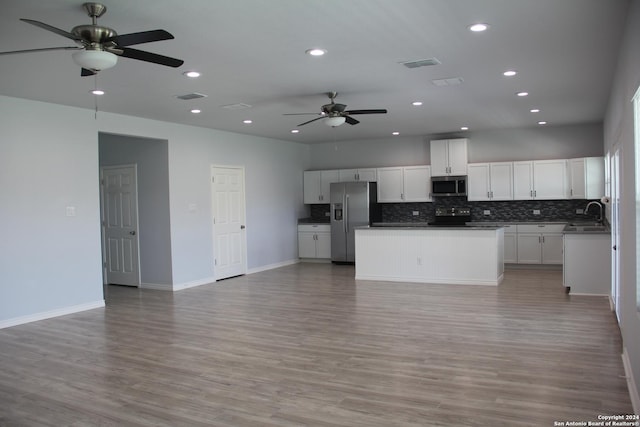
(452, 217)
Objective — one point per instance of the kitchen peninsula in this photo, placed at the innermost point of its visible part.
(445, 255)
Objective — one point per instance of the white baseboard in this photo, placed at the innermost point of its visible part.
(192, 284)
(631, 382)
(209, 280)
(272, 266)
(49, 314)
(156, 286)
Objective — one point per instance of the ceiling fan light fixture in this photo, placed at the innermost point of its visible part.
(334, 121)
(95, 59)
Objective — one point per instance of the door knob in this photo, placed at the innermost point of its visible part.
(242, 227)
(133, 233)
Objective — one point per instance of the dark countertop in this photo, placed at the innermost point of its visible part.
(313, 221)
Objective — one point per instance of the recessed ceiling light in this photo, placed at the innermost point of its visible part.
(542, 122)
(395, 133)
(192, 74)
(196, 111)
(510, 73)
(295, 131)
(417, 103)
(247, 122)
(522, 93)
(315, 52)
(464, 128)
(477, 28)
(535, 110)
(97, 92)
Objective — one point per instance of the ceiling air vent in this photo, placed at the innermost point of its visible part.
(421, 63)
(238, 106)
(452, 81)
(188, 96)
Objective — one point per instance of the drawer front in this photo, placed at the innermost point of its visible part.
(541, 228)
(318, 228)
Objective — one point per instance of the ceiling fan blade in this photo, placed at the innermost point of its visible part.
(381, 111)
(44, 49)
(85, 72)
(141, 37)
(48, 27)
(351, 120)
(301, 114)
(141, 55)
(313, 120)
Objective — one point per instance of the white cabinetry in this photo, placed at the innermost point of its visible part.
(404, 184)
(587, 263)
(510, 244)
(490, 181)
(348, 175)
(449, 157)
(540, 243)
(586, 178)
(314, 241)
(540, 180)
(317, 185)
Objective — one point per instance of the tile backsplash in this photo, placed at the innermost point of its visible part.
(506, 211)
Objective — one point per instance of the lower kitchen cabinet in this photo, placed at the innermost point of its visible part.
(314, 241)
(540, 243)
(587, 263)
(510, 244)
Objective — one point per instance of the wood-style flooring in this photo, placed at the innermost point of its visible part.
(307, 345)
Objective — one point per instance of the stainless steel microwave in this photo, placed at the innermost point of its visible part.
(448, 185)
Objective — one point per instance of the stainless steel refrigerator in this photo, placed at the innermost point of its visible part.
(353, 204)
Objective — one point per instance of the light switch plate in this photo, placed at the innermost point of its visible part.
(71, 211)
(536, 211)
(415, 213)
(579, 211)
(486, 212)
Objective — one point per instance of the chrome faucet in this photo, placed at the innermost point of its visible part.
(600, 218)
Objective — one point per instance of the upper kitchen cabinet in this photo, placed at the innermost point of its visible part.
(586, 178)
(317, 186)
(449, 157)
(490, 181)
(404, 184)
(540, 180)
(348, 175)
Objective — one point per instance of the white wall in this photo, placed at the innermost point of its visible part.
(539, 143)
(273, 181)
(151, 156)
(50, 263)
(619, 131)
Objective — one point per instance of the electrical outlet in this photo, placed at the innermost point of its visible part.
(415, 213)
(536, 211)
(580, 211)
(486, 212)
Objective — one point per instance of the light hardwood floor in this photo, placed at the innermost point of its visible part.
(307, 345)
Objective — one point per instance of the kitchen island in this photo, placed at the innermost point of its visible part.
(447, 255)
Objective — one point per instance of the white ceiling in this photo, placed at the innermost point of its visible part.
(252, 52)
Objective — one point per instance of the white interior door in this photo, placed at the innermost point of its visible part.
(615, 230)
(228, 222)
(120, 225)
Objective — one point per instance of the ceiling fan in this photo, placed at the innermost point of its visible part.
(99, 47)
(335, 114)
